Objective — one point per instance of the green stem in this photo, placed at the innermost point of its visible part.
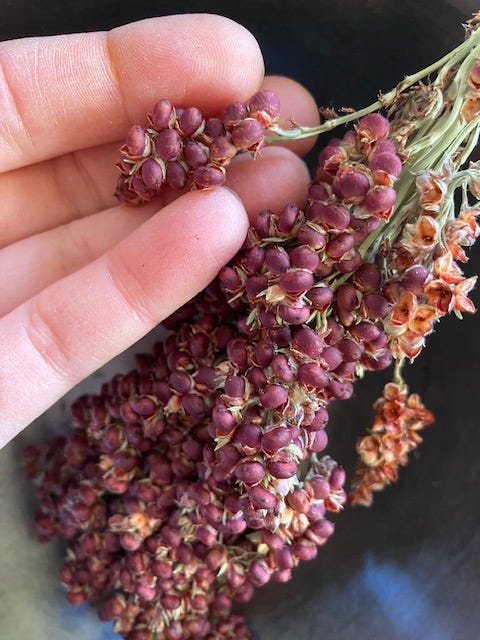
(448, 61)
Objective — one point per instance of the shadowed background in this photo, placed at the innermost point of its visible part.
(408, 568)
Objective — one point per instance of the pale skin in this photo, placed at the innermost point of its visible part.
(83, 278)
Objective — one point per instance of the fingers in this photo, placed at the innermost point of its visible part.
(28, 266)
(63, 93)
(51, 193)
(82, 182)
(272, 180)
(76, 325)
(32, 264)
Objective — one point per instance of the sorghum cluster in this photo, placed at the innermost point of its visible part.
(393, 435)
(158, 536)
(181, 148)
(201, 474)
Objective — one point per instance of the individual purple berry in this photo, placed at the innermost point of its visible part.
(167, 144)
(320, 297)
(208, 177)
(176, 176)
(161, 114)
(190, 121)
(374, 126)
(380, 200)
(250, 472)
(303, 257)
(273, 396)
(297, 280)
(312, 375)
(195, 154)
(307, 341)
(152, 174)
(137, 142)
(388, 162)
(234, 113)
(266, 104)
(340, 245)
(247, 134)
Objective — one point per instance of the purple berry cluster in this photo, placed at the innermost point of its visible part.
(196, 478)
(181, 148)
(201, 474)
(160, 534)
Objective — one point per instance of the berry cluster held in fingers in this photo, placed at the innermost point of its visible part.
(182, 148)
(202, 474)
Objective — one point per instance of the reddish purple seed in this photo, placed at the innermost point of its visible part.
(264, 352)
(320, 297)
(367, 277)
(208, 177)
(214, 128)
(351, 350)
(161, 114)
(296, 281)
(247, 133)
(312, 375)
(414, 278)
(137, 141)
(380, 199)
(374, 125)
(234, 112)
(350, 185)
(318, 192)
(388, 162)
(287, 218)
(250, 472)
(294, 315)
(319, 421)
(282, 368)
(331, 357)
(264, 101)
(190, 120)
(222, 149)
(282, 469)
(262, 498)
(167, 144)
(318, 441)
(277, 260)
(176, 175)
(273, 396)
(308, 342)
(311, 236)
(235, 386)
(304, 257)
(275, 439)
(249, 435)
(195, 155)
(152, 174)
(375, 305)
(339, 245)
(334, 216)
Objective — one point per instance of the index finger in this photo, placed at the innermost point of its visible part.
(63, 93)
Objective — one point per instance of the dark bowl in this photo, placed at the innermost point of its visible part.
(408, 567)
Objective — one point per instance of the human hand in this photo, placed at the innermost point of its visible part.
(83, 278)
